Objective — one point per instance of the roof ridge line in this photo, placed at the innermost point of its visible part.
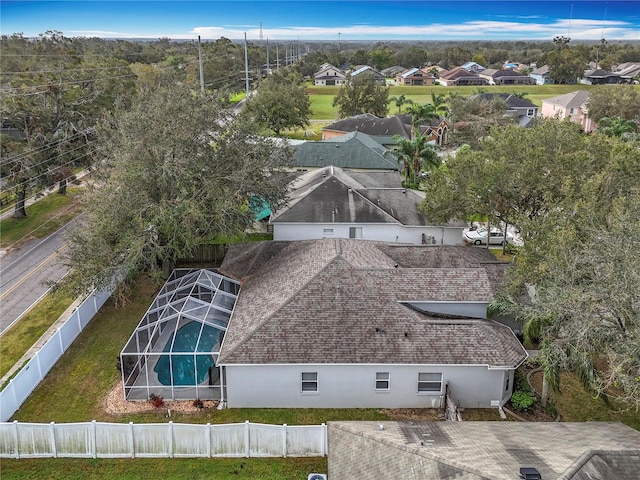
(282, 305)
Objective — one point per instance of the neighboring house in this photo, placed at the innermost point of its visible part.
(483, 450)
(415, 76)
(335, 203)
(516, 106)
(541, 75)
(328, 75)
(377, 76)
(343, 323)
(355, 150)
(572, 106)
(505, 77)
(600, 77)
(629, 72)
(387, 127)
(472, 67)
(391, 72)
(459, 76)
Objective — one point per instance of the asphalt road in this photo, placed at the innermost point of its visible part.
(26, 274)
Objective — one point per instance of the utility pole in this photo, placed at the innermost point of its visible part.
(277, 57)
(246, 66)
(339, 44)
(201, 68)
(268, 64)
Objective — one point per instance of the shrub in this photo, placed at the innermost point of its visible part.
(522, 400)
(156, 400)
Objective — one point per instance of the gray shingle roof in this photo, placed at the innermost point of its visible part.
(487, 450)
(569, 100)
(320, 301)
(333, 195)
(511, 100)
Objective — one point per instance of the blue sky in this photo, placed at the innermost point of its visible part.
(328, 19)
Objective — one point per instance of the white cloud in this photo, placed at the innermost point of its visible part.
(579, 29)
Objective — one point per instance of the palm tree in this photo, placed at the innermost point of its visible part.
(440, 103)
(400, 101)
(421, 114)
(415, 154)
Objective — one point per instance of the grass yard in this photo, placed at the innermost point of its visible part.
(322, 97)
(19, 338)
(74, 390)
(164, 468)
(43, 218)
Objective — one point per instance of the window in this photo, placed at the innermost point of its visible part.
(382, 380)
(506, 386)
(429, 382)
(571, 111)
(309, 381)
(531, 112)
(355, 232)
(327, 232)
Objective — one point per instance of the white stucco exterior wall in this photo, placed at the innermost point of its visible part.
(353, 386)
(388, 232)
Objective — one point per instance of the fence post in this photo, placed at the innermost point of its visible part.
(132, 443)
(170, 439)
(15, 428)
(284, 440)
(208, 440)
(94, 439)
(247, 439)
(37, 357)
(323, 437)
(54, 447)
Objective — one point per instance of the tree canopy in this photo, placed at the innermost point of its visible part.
(612, 101)
(176, 170)
(574, 198)
(281, 102)
(361, 94)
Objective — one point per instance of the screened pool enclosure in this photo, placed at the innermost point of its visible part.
(173, 350)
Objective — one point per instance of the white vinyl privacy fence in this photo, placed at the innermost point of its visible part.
(118, 440)
(27, 379)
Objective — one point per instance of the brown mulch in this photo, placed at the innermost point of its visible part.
(115, 404)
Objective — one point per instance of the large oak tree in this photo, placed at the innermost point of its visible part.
(176, 170)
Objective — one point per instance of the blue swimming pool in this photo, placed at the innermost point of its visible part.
(186, 340)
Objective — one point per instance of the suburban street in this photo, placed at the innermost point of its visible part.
(25, 274)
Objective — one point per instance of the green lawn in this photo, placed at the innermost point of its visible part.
(161, 468)
(19, 338)
(322, 97)
(43, 218)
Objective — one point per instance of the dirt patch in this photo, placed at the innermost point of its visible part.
(115, 404)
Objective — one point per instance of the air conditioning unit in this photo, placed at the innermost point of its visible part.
(317, 476)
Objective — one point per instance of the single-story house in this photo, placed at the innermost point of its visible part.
(415, 76)
(572, 106)
(355, 150)
(336, 203)
(516, 106)
(387, 127)
(378, 78)
(600, 77)
(328, 75)
(541, 75)
(345, 323)
(505, 77)
(629, 72)
(459, 76)
(483, 450)
(391, 72)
